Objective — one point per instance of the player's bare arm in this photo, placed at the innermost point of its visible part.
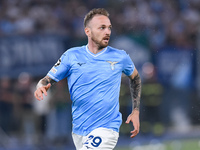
(42, 87)
(135, 88)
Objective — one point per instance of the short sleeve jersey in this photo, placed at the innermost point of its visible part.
(94, 84)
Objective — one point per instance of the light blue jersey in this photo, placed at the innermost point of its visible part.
(94, 85)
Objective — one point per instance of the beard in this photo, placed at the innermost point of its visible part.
(100, 43)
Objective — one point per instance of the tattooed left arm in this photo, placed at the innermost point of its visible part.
(135, 88)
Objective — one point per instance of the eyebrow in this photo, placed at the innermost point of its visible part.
(103, 25)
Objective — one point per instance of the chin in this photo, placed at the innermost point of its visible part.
(104, 45)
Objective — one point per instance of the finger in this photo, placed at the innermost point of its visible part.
(39, 93)
(134, 133)
(44, 91)
(36, 96)
(48, 86)
(128, 120)
(136, 125)
(136, 128)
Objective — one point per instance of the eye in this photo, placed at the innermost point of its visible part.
(102, 28)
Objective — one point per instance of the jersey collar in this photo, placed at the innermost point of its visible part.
(95, 55)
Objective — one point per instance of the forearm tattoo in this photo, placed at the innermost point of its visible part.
(45, 81)
(135, 87)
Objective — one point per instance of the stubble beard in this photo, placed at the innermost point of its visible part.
(100, 44)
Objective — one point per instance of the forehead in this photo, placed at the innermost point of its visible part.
(100, 20)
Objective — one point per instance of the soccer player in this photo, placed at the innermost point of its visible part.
(94, 74)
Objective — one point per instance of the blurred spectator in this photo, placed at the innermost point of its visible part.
(59, 118)
(151, 102)
(6, 105)
(41, 110)
(24, 109)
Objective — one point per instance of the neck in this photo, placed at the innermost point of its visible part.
(94, 48)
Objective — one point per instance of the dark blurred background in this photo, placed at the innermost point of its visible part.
(162, 38)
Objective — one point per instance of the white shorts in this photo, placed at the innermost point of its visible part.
(100, 138)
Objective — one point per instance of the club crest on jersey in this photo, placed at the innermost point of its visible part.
(112, 64)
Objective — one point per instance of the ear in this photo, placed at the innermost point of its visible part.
(87, 31)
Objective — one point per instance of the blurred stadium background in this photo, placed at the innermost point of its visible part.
(162, 38)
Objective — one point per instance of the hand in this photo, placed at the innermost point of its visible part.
(134, 118)
(39, 92)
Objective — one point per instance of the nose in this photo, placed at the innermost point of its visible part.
(107, 31)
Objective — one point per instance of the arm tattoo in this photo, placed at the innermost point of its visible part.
(44, 81)
(135, 88)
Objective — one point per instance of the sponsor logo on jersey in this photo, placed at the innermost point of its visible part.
(80, 64)
(112, 64)
(53, 70)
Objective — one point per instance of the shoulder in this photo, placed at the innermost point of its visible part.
(74, 50)
(117, 51)
(72, 53)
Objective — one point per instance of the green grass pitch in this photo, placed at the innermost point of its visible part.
(169, 145)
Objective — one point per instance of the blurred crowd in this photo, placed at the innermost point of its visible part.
(154, 24)
(161, 22)
(32, 121)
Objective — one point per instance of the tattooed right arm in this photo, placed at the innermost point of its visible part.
(45, 81)
(42, 87)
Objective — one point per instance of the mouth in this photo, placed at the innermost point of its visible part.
(106, 39)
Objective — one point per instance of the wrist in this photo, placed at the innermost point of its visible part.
(135, 110)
